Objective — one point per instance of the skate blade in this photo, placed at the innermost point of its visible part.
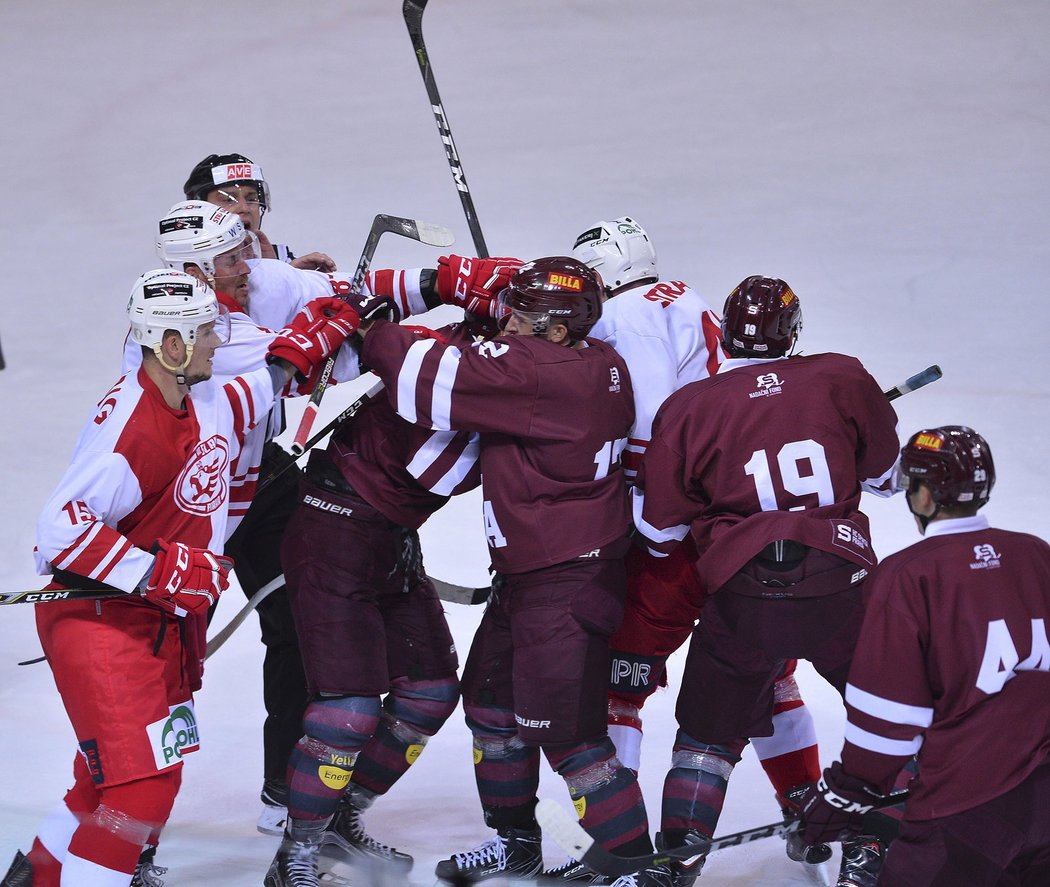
(820, 874)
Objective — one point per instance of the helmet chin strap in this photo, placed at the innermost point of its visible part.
(180, 376)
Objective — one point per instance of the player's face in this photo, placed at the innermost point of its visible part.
(232, 270)
(241, 198)
(209, 337)
(518, 324)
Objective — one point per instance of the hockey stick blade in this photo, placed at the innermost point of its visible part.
(919, 380)
(566, 831)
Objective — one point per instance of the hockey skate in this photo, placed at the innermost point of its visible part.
(814, 859)
(274, 797)
(511, 852)
(862, 859)
(295, 865)
(572, 870)
(146, 873)
(20, 874)
(684, 871)
(657, 876)
(346, 845)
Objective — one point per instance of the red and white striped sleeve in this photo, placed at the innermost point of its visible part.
(76, 529)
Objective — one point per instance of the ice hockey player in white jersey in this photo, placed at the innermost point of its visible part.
(142, 509)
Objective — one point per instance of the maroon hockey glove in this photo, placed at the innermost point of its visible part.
(315, 334)
(834, 808)
(474, 284)
(185, 579)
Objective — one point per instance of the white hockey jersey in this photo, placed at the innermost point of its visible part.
(142, 471)
(246, 351)
(668, 336)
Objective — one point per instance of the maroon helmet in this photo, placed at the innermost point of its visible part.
(557, 289)
(762, 317)
(954, 461)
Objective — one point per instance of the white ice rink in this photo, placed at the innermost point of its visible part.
(889, 160)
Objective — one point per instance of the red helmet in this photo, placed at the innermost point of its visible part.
(762, 318)
(954, 461)
(557, 289)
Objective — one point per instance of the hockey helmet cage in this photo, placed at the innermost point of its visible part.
(194, 232)
(620, 251)
(216, 170)
(172, 300)
(954, 461)
(762, 318)
(555, 289)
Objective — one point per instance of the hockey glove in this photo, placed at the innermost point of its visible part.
(185, 579)
(371, 306)
(474, 284)
(834, 808)
(315, 334)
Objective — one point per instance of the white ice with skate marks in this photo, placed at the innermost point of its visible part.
(887, 160)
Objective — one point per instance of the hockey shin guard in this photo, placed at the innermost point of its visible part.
(605, 794)
(113, 836)
(790, 756)
(412, 712)
(695, 786)
(506, 770)
(321, 764)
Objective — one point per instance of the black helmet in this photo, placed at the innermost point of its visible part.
(216, 170)
(762, 318)
(556, 289)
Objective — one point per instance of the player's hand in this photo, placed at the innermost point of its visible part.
(186, 579)
(474, 284)
(315, 334)
(314, 262)
(834, 808)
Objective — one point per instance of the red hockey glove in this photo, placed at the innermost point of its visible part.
(315, 334)
(424, 332)
(474, 284)
(185, 579)
(834, 808)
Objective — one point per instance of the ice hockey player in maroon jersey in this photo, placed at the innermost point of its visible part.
(141, 509)
(952, 665)
(763, 463)
(553, 409)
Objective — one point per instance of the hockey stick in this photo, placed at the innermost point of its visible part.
(928, 375)
(424, 232)
(223, 636)
(455, 594)
(568, 834)
(413, 10)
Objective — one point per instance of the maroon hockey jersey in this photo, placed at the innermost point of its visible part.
(767, 450)
(402, 470)
(953, 664)
(553, 423)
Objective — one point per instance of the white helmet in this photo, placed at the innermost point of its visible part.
(620, 251)
(173, 300)
(196, 232)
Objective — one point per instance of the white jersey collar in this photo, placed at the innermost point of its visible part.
(946, 526)
(732, 363)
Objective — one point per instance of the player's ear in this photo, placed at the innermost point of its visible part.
(557, 333)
